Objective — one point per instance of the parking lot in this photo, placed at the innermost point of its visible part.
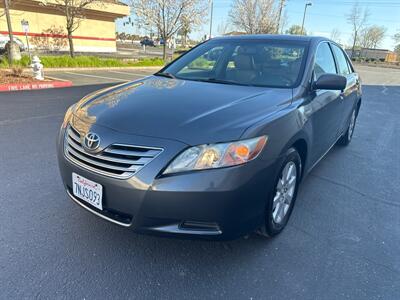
(88, 77)
(342, 241)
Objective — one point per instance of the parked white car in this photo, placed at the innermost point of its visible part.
(4, 39)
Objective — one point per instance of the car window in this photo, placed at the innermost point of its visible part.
(349, 65)
(324, 61)
(341, 60)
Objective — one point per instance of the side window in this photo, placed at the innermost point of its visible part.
(341, 60)
(324, 62)
(349, 65)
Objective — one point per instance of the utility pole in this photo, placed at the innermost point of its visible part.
(281, 5)
(304, 16)
(10, 31)
(211, 16)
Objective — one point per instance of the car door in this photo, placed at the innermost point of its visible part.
(349, 96)
(325, 105)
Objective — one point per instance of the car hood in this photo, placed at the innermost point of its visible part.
(188, 111)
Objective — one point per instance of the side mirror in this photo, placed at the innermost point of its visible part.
(330, 82)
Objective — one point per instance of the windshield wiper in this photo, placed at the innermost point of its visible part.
(215, 80)
(165, 74)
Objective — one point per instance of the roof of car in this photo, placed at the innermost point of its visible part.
(276, 37)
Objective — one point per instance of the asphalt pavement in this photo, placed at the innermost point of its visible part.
(89, 77)
(342, 241)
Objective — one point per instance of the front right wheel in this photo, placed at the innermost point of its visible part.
(280, 202)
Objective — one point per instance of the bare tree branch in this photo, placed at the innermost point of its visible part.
(335, 35)
(357, 18)
(169, 16)
(74, 12)
(255, 16)
(372, 37)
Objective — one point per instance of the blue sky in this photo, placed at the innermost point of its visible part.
(322, 17)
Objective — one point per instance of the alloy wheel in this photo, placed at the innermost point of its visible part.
(285, 190)
(351, 126)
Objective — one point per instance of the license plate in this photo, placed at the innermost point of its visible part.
(87, 190)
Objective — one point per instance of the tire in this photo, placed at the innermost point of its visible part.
(273, 224)
(345, 139)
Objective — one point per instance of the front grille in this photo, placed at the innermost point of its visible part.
(117, 160)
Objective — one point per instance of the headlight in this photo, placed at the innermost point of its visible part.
(68, 115)
(217, 155)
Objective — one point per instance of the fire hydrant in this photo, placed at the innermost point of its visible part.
(37, 68)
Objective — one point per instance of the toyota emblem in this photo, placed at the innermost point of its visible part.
(91, 141)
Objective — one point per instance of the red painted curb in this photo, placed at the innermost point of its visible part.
(34, 86)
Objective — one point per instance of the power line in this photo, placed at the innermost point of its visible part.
(338, 16)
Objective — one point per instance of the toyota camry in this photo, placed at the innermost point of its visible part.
(216, 143)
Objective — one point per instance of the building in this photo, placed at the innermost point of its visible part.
(235, 33)
(96, 32)
(374, 54)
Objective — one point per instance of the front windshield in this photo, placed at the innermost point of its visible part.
(243, 62)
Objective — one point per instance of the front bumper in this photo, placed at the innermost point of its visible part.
(214, 204)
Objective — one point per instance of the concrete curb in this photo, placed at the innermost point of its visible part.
(14, 87)
(153, 68)
(156, 68)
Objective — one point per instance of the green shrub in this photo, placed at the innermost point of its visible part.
(84, 61)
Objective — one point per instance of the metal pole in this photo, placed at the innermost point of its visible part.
(211, 17)
(304, 18)
(281, 5)
(27, 43)
(10, 31)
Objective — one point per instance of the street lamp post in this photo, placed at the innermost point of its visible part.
(304, 16)
(211, 16)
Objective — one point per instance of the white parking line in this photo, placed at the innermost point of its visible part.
(95, 76)
(129, 73)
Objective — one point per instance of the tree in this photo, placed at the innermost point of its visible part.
(372, 37)
(188, 24)
(397, 51)
(185, 30)
(335, 35)
(11, 46)
(396, 38)
(167, 15)
(74, 12)
(255, 16)
(47, 42)
(357, 18)
(223, 27)
(296, 30)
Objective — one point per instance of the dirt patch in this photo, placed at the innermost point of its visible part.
(7, 77)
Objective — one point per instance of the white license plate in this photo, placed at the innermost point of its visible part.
(87, 190)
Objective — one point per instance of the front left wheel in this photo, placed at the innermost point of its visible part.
(280, 202)
(345, 139)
